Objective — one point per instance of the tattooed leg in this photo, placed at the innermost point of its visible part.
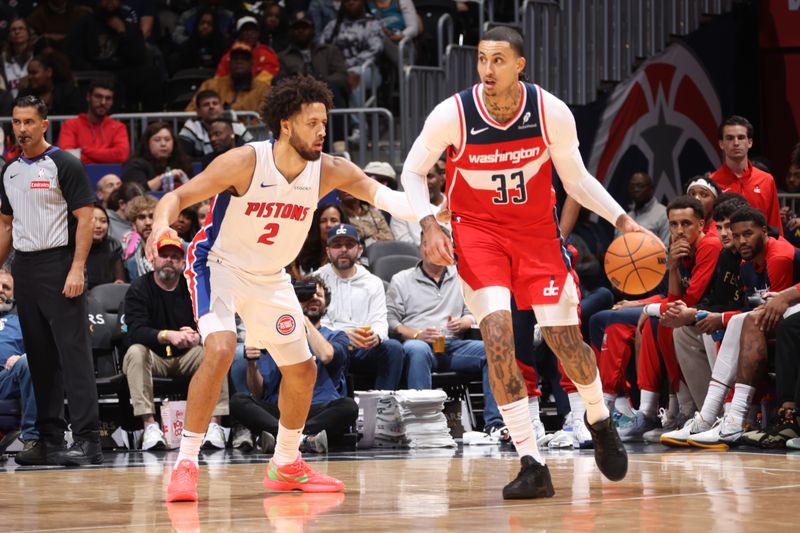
(576, 356)
(505, 377)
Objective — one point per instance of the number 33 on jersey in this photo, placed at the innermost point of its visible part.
(501, 172)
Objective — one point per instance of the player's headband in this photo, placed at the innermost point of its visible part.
(701, 182)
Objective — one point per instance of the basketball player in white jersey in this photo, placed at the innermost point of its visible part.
(265, 194)
(503, 136)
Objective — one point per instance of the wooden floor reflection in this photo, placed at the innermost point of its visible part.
(439, 491)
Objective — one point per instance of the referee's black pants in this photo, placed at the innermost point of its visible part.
(55, 330)
(787, 360)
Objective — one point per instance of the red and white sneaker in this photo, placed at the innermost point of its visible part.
(183, 482)
(299, 476)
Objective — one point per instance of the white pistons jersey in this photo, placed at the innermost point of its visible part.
(263, 230)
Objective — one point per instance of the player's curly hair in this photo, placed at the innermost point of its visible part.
(288, 96)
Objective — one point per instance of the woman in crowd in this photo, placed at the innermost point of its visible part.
(159, 164)
(17, 53)
(187, 224)
(274, 26)
(313, 254)
(104, 263)
(205, 46)
(47, 80)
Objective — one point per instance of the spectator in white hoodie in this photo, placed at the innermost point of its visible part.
(358, 307)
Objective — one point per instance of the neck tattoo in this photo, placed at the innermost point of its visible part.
(502, 107)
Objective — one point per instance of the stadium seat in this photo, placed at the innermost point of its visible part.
(183, 85)
(387, 266)
(380, 248)
(84, 78)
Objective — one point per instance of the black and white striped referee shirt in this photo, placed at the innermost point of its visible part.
(41, 194)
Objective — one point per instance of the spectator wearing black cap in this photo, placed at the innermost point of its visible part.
(47, 213)
(264, 59)
(323, 61)
(238, 90)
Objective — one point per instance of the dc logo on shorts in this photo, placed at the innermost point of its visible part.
(285, 324)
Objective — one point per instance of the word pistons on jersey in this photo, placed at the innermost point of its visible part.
(276, 210)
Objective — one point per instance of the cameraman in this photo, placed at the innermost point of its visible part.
(331, 413)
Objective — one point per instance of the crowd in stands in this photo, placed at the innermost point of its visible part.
(730, 291)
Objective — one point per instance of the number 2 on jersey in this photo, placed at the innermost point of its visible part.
(271, 231)
(506, 184)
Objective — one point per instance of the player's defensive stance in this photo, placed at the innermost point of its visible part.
(265, 194)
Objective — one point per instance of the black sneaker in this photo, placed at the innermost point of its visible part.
(39, 452)
(82, 453)
(533, 481)
(786, 427)
(609, 453)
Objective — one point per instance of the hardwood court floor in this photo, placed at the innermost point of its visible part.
(439, 490)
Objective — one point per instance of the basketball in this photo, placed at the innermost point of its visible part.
(635, 263)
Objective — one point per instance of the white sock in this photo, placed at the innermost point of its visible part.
(742, 396)
(712, 405)
(576, 405)
(648, 403)
(533, 408)
(518, 421)
(592, 396)
(672, 409)
(610, 400)
(685, 401)
(287, 444)
(190, 446)
(623, 406)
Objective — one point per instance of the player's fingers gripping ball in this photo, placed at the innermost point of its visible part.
(635, 263)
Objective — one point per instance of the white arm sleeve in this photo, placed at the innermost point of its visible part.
(396, 203)
(562, 137)
(442, 129)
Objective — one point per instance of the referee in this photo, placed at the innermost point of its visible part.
(46, 213)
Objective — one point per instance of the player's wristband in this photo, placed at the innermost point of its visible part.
(653, 310)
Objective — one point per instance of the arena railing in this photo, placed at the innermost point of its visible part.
(377, 139)
(573, 46)
(137, 122)
(791, 200)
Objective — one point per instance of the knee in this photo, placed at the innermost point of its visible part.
(417, 352)
(137, 356)
(393, 349)
(216, 362)
(21, 366)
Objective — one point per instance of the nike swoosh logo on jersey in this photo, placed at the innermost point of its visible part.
(473, 131)
(265, 185)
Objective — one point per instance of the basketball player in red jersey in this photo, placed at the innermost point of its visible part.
(500, 153)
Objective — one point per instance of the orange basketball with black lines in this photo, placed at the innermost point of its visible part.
(635, 263)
